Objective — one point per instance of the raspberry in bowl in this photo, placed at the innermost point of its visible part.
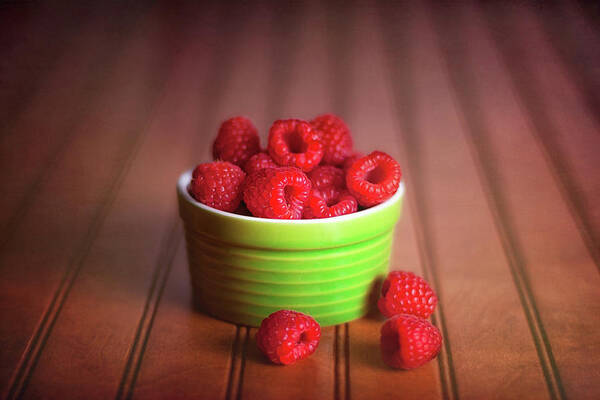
(306, 245)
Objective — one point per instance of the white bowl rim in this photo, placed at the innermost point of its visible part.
(186, 177)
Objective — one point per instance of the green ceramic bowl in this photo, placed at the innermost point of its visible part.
(244, 268)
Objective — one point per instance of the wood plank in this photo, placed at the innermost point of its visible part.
(207, 350)
(303, 94)
(371, 109)
(578, 47)
(486, 329)
(526, 194)
(43, 256)
(16, 22)
(566, 131)
(34, 142)
(34, 47)
(119, 266)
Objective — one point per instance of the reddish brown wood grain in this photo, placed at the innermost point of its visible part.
(547, 237)
(188, 353)
(52, 238)
(489, 109)
(119, 268)
(304, 94)
(205, 373)
(487, 332)
(571, 134)
(371, 109)
(34, 38)
(36, 138)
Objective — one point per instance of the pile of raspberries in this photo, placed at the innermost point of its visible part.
(408, 340)
(308, 170)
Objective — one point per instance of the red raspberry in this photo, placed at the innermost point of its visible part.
(259, 161)
(336, 138)
(293, 143)
(320, 207)
(288, 336)
(374, 178)
(406, 293)
(350, 160)
(277, 193)
(236, 141)
(218, 184)
(326, 176)
(408, 341)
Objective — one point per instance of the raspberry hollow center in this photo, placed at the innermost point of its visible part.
(303, 338)
(376, 175)
(289, 193)
(295, 143)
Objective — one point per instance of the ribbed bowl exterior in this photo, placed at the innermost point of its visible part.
(244, 268)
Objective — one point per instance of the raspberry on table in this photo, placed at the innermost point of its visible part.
(406, 293)
(320, 207)
(408, 341)
(336, 138)
(374, 178)
(293, 143)
(218, 184)
(277, 192)
(288, 336)
(236, 141)
(259, 161)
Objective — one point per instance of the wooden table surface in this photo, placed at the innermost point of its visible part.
(492, 109)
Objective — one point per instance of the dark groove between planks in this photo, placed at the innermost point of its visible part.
(341, 362)
(448, 40)
(238, 363)
(233, 375)
(347, 360)
(401, 71)
(36, 345)
(544, 130)
(159, 281)
(240, 383)
(91, 90)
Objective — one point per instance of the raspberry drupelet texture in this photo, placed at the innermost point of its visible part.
(336, 138)
(259, 161)
(326, 175)
(293, 143)
(374, 178)
(277, 193)
(218, 184)
(288, 336)
(350, 160)
(319, 207)
(236, 141)
(406, 293)
(408, 341)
